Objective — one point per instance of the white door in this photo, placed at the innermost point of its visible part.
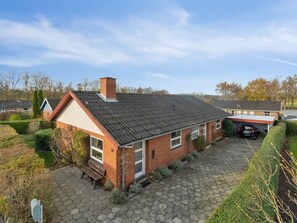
(139, 159)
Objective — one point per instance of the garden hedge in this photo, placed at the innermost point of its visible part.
(42, 139)
(21, 126)
(241, 205)
(291, 128)
(81, 148)
(228, 127)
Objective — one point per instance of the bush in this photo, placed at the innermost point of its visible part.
(135, 188)
(189, 158)
(195, 154)
(108, 185)
(33, 127)
(228, 127)
(291, 128)
(175, 165)
(14, 117)
(118, 196)
(42, 139)
(241, 205)
(157, 176)
(81, 148)
(164, 171)
(20, 126)
(47, 124)
(199, 143)
(8, 136)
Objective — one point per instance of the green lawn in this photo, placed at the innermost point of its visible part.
(293, 145)
(47, 156)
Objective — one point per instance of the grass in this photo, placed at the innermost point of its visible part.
(293, 145)
(47, 156)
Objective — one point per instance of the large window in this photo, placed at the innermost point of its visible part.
(175, 139)
(97, 149)
(218, 124)
(195, 132)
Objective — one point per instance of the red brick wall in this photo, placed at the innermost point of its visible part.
(108, 87)
(110, 155)
(212, 133)
(46, 114)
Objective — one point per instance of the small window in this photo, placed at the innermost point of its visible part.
(175, 139)
(218, 124)
(195, 132)
(97, 149)
(267, 113)
(232, 112)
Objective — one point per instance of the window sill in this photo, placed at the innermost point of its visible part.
(176, 147)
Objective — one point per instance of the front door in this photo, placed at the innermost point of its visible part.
(139, 159)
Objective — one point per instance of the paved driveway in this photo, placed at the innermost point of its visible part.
(188, 196)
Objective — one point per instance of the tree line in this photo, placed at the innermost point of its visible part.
(15, 85)
(261, 89)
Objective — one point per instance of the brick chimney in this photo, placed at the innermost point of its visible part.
(108, 88)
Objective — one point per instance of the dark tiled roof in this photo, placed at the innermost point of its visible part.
(15, 104)
(138, 116)
(53, 102)
(249, 105)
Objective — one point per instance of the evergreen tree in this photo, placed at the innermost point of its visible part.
(35, 104)
(40, 100)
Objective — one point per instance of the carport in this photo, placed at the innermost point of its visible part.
(263, 123)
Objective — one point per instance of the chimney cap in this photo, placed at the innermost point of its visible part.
(108, 78)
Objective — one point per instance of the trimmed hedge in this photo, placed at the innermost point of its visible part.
(22, 126)
(228, 127)
(42, 139)
(291, 128)
(240, 206)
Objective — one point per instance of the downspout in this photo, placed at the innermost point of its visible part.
(123, 169)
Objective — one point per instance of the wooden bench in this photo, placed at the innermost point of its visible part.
(94, 170)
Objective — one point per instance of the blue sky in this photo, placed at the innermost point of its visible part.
(182, 46)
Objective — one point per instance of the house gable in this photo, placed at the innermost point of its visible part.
(74, 115)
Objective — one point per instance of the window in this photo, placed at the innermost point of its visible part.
(195, 132)
(252, 113)
(175, 139)
(267, 113)
(238, 111)
(218, 124)
(97, 149)
(232, 112)
(245, 112)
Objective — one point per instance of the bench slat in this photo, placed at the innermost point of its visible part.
(91, 173)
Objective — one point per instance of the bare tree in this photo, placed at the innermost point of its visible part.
(85, 84)
(39, 81)
(13, 79)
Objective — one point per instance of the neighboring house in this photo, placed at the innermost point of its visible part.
(258, 108)
(133, 134)
(15, 106)
(48, 106)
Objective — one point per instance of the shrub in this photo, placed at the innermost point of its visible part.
(14, 117)
(8, 136)
(228, 127)
(195, 154)
(157, 176)
(108, 185)
(164, 171)
(47, 124)
(33, 127)
(175, 165)
(135, 188)
(118, 196)
(199, 143)
(291, 128)
(4, 116)
(189, 158)
(42, 139)
(81, 148)
(263, 170)
(20, 126)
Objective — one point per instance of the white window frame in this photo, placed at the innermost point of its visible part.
(218, 123)
(97, 149)
(267, 113)
(195, 131)
(178, 137)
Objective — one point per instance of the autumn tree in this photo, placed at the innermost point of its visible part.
(273, 87)
(289, 89)
(257, 90)
(230, 91)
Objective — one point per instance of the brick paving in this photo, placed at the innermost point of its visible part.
(190, 195)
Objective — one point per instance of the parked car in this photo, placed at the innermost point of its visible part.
(248, 131)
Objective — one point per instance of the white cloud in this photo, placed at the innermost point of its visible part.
(159, 76)
(279, 60)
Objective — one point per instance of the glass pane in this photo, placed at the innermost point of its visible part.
(96, 154)
(96, 143)
(138, 156)
(175, 142)
(175, 134)
(138, 168)
(195, 128)
(194, 135)
(138, 145)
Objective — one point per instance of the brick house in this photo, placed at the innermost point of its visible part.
(258, 108)
(48, 106)
(133, 134)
